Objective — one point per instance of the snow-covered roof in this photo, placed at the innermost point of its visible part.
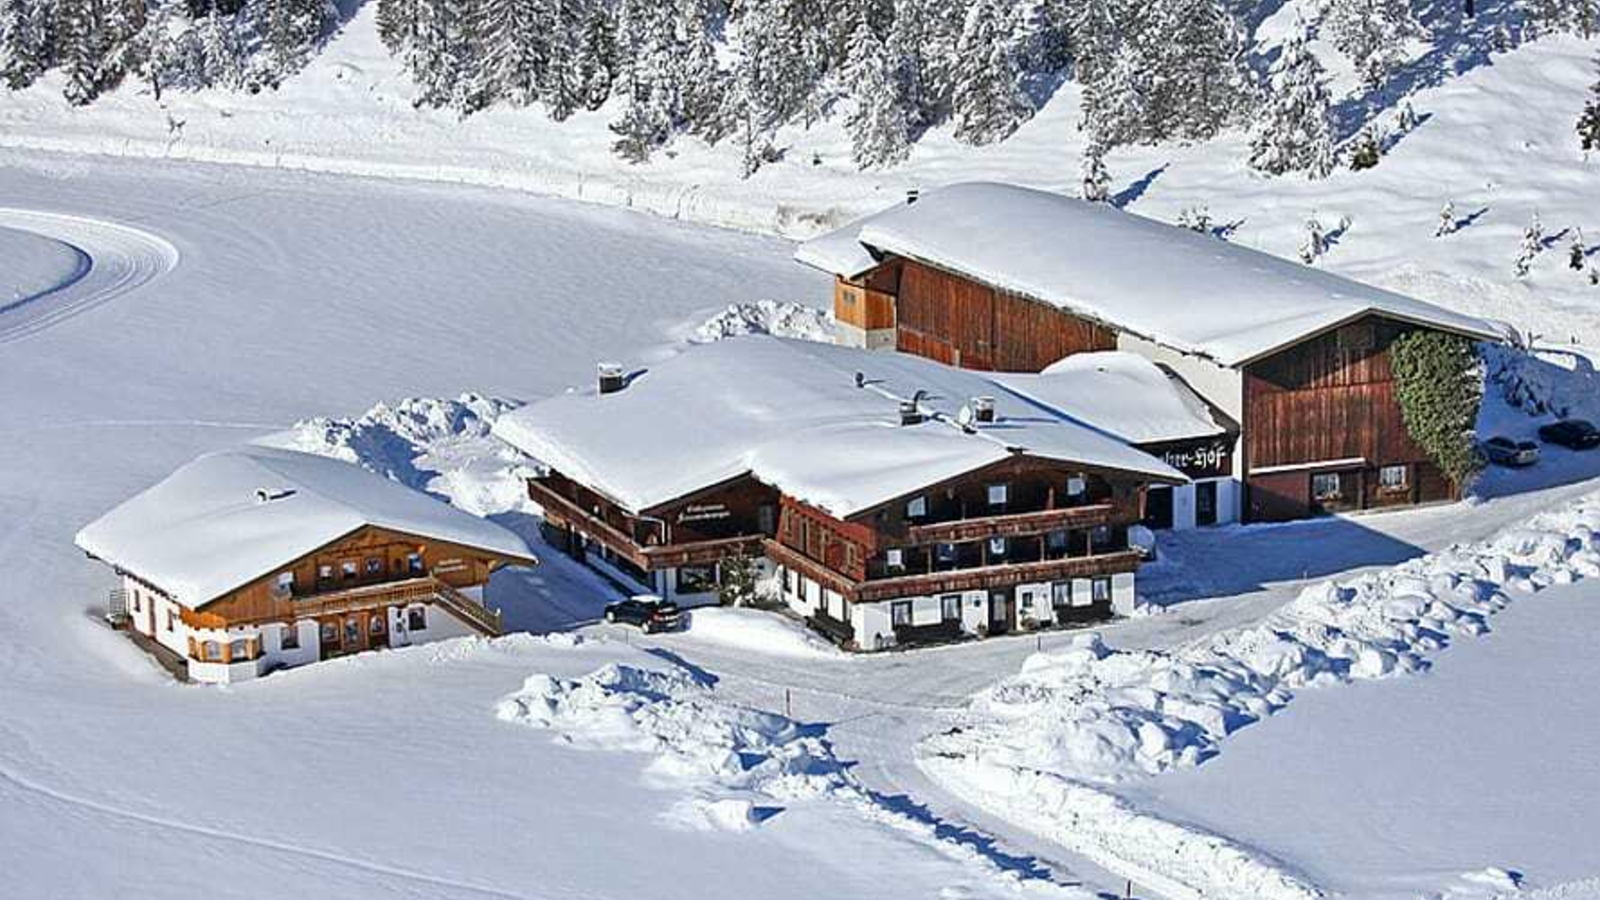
(1123, 394)
(790, 414)
(1176, 287)
(204, 530)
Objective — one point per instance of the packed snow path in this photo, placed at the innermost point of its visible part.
(113, 259)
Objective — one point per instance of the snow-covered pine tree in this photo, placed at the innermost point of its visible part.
(122, 34)
(1116, 103)
(644, 47)
(784, 58)
(24, 42)
(441, 54)
(701, 81)
(1579, 17)
(1193, 46)
(1315, 243)
(1447, 220)
(515, 45)
(1096, 38)
(1367, 148)
(1406, 120)
(78, 49)
(290, 29)
(1292, 133)
(223, 58)
(922, 40)
(1577, 252)
(596, 58)
(987, 103)
(1197, 219)
(1589, 120)
(879, 133)
(1096, 178)
(397, 24)
(1532, 246)
(1372, 33)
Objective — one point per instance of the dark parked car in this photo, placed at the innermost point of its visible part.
(1503, 451)
(1575, 433)
(647, 611)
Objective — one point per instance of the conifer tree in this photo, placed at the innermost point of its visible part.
(516, 42)
(1116, 104)
(1532, 246)
(1577, 253)
(78, 49)
(24, 36)
(1589, 121)
(223, 59)
(1194, 47)
(879, 133)
(1447, 220)
(988, 102)
(1371, 33)
(596, 57)
(1293, 132)
(1315, 243)
(1367, 149)
(1096, 178)
(397, 24)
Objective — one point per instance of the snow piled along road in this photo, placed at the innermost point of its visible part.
(110, 259)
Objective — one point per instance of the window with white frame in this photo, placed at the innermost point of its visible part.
(374, 565)
(1326, 486)
(325, 572)
(1394, 478)
(135, 599)
(999, 494)
(1100, 588)
(210, 651)
(1060, 593)
(285, 583)
(950, 608)
(290, 638)
(944, 552)
(917, 508)
(239, 649)
(172, 620)
(1077, 486)
(894, 558)
(347, 569)
(414, 563)
(997, 548)
(900, 613)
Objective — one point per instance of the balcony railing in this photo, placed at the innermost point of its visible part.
(365, 598)
(1011, 524)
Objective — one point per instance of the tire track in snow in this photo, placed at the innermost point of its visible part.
(116, 259)
(30, 786)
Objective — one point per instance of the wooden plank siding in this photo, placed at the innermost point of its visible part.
(958, 321)
(1329, 404)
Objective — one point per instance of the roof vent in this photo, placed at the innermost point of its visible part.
(983, 410)
(861, 379)
(910, 414)
(267, 495)
(912, 196)
(612, 378)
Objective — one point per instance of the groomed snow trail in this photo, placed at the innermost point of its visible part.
(115, 260)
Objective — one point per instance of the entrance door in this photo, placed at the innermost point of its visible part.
(1205, 503)
(355, 635)
(1158, 508)
(1001, 608)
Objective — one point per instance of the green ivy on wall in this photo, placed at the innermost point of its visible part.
(1440, 387)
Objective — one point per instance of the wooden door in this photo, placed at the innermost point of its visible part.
(1001, 610)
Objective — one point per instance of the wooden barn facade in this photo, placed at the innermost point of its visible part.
(1298, 358)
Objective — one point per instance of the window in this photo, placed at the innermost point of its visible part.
(135, 599)
(997, 548)
(900, 614)
(374, 566)
(211, 651)
(999, 494)
(172, 620)
(290, 639)
(1060, 594)
(417, 618)
(1325, 486)
(945, 553)
(239, 650)
(1056, 541)
(352, 632)
(285, 582)
(792, 579)
(377, 624)
(1394, 478)
(1100, 537)
(1101, 589)
(324, 572)
(330, 632)
(917, 508)
(1077, 488)
(767, 519)
(348, 569)
(697, 579)
(950, 608)
(895, 558)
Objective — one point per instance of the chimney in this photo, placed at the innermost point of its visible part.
(912, 196)
(983, 410)
(263, 495)
(910, 413)
(612, 378)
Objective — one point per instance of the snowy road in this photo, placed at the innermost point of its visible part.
(113, 259)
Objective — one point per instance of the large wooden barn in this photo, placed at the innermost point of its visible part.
(999, 277)
(887, 499)
(249, 560)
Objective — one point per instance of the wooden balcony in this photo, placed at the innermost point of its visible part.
(999, 575)
(651, 558)
(427, 589)
(1012, 524)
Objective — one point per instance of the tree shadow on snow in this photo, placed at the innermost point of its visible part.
(1028, 868)
(1134, 191)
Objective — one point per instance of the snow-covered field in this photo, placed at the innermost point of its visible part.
(227, 304)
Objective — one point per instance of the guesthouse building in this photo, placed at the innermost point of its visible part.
(248, 560)
(997, 277)
(884, 497)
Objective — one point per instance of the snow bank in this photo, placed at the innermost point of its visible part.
(725, 756)
(1559, 381)
(763, 632)
(777, 318)
(438, 445)
(34, 264)
(1035, 745)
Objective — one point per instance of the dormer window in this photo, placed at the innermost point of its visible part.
(917, 508)
(999, 495)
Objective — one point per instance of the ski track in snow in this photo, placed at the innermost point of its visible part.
(113, 260)
(28, 785)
